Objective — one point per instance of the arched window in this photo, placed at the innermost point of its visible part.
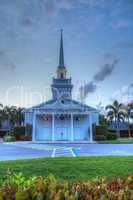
(62, 75)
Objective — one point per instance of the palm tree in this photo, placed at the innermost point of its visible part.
(1, 109)
(110, 116)
(20, 116)
(129, 115)
(116, 113)
(9, 114)
(6, 113)
(14, 115)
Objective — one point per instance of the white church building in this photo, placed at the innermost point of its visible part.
(62, 118)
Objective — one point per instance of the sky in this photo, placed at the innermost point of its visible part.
(98, 48)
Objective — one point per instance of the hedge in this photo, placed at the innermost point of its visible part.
(100, 137)
(103, 133)
(111, 136)
(18, 131)
(101, 130)
(17, 187)
(22, 133)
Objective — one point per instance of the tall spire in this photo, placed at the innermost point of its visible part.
(61, 57)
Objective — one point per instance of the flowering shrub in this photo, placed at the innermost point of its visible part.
(17, 187)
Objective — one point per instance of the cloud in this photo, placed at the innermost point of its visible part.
(5, 61)
(121, 23)
(124, 45)
(53, 7)
(131, 85)
(95, 3)
(101, 108)
(124, 94)
(118, 7)
(87, 88)
(122, 8)
(27, 22)
(31, 13)
(95, 22)
(50, 7)
(104, 72)
(65, 4)
(2, 53)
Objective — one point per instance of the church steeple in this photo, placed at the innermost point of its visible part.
(61, 86)
(61, 70)
(61, 56)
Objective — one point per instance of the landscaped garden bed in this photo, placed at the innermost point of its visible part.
(17, 187)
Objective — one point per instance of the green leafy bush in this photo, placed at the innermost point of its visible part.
(18, 131)
(17, 187)
(103, 133)
(100, 133)
(100, 137)
(101, 130)
(22, 133)
(111, 136)
(110, 130)
(9, 138)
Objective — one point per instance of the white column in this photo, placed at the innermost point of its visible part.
(72, 136)
(53, 127)
(91, 131)
(34, 127)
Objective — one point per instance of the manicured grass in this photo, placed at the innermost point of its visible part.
(71, 169)
(118, 141)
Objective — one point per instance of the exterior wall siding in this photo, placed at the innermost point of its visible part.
(95, 119)
(62, 129)
(81, 128)
(43, 129)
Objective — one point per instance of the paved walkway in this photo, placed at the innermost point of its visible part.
(27, 150)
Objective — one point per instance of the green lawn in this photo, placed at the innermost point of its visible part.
(71, 169)
(118, 141)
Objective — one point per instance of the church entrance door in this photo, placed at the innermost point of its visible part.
(62, 128)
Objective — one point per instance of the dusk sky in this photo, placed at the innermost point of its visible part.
(98, 48)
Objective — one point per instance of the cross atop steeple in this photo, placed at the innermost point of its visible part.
(61, 57)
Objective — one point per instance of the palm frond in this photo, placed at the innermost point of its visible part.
(110, 107)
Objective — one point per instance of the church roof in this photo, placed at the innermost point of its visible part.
(62, 105)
